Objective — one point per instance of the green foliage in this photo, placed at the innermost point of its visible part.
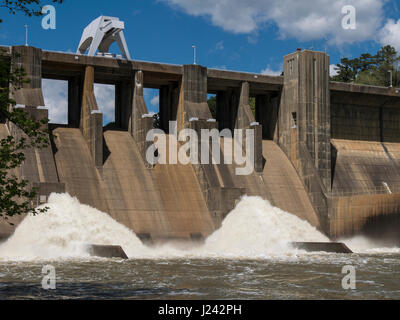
(370, 70)
(212, 104)
(252, 103)
(28, 7)
(16, 194)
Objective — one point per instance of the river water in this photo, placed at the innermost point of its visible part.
(248, 258)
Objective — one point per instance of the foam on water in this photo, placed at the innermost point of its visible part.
(254, 229)
(362, 244)
(64, 232)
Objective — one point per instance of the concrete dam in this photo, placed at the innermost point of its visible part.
(326, 152)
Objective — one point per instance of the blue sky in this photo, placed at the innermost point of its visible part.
(244, 35)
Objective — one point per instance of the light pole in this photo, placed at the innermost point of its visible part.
(26, 35)
(391, 78)
(194, 54)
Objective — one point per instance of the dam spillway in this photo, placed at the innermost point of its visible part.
(324, 151)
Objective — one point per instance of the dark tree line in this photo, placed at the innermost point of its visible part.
(371, 69)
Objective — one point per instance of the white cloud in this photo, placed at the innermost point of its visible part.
(270, 72)
(332, 70)
(155, 101)
(55, 93)
(152, 99)
(105, 97)
(305, 20)
(390, 34)
(219, 45)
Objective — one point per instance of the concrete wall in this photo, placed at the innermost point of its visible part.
(342, 144)
(76, 167)
(219, 193)
(140, 123)
(303, 130)
(30, 60)
(285, 188)
(365, 117)
(325, 152)
(365, 166)
(354, 122)
(372, 215)
(163, 202)
(193, 96)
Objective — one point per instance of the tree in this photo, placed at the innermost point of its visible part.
(252, 103)
(212, 104)
(386, 60)
(346, 71)
(28, 7)
(370, 70)
(16, 194)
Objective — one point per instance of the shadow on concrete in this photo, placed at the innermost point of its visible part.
(384, 229)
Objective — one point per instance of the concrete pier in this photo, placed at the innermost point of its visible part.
(103, 251)
(140, 122)
(91, 123)
(330, 247)
(39, 167)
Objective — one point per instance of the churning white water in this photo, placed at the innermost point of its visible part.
(64, 231)
(254, 229)
(362, 244)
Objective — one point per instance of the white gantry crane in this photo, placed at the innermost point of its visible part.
(100, 34)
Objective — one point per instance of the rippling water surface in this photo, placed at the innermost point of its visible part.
(295, 277)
